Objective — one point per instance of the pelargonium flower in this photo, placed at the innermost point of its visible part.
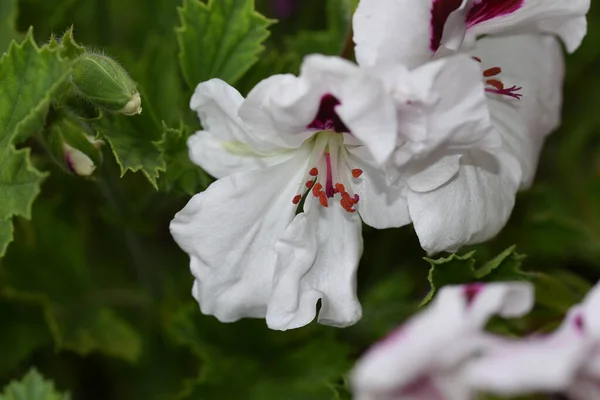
(313, 146)
(474, 191)
(425, 358)
(410, 32)
(307, 143)
(566, 361)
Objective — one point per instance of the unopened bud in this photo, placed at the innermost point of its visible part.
(103, 82)
(73, 146)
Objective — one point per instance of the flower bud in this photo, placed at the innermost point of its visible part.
(103, 82)
(72, 144)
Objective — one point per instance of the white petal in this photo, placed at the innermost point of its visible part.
(562, 17)
(381, 205)
(229, 232)
(508, 300)
(472, 207)
(264, 117)
(366, 108)
(456, 106)
(388, 32)
(317, 259)
(544, 364)
(433, 172)
(536, 64)
(221, 158)
(225, 145)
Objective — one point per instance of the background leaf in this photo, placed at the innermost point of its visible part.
(32, 387)
(221, 39)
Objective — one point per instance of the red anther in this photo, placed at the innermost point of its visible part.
(314, 172)
(477, 59)
(492, 72)
(495, 83)
(347, 207)
(297, 199)
(317, 189)
(323, 199)
(340, 188)
(357, 172)
(309, 184)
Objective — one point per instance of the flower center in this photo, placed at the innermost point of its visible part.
(480, 11)
(327, 119)
(496, 86)
(329, 177)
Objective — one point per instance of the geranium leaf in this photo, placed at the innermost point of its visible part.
(33, 386)
(8, 16)
(29, 77)
(219, 39)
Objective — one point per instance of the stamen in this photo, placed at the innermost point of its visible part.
(492, 72)
(357, 172)
(495, 83)
(477, 59)
(329, 180)
(314, 172)
(507, 92)
(309, 184)
(297, 199)
(323, 199)
(317, 189)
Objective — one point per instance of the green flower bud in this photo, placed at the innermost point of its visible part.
(71, 143)
(106, 84)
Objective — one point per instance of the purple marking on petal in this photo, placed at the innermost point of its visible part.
(421, 388)
(70, 163)
(471, 291)
(326, 118)
(440, 11)
(480, 11)
(485, 10)
(579, 322)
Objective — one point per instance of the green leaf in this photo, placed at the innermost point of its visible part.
(261, 365)
(8, 30)
(458, 270)
(221, 39)
(331, 41)
(33, 386)
(181, 173)
(29, 76)
(134, 143)
(49, 266)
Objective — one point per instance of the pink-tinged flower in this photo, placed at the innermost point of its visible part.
(566, 361)
(312, 141)
(425, 358)
(466, 194)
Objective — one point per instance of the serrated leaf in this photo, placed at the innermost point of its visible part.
(504, 267)
(263, 365)
(220, 39)
(49, 266)
(458, 270)
(8, 16)
(29, 76)
(331, 41)
(133, 141)
(33, 386)
(181, 173)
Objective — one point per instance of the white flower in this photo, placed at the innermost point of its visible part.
(79, 162)
(312, 140)
(466, 193)
(411, 31)
(566, 361)
(424, 359)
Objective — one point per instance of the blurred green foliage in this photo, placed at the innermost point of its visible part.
(95, 294)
